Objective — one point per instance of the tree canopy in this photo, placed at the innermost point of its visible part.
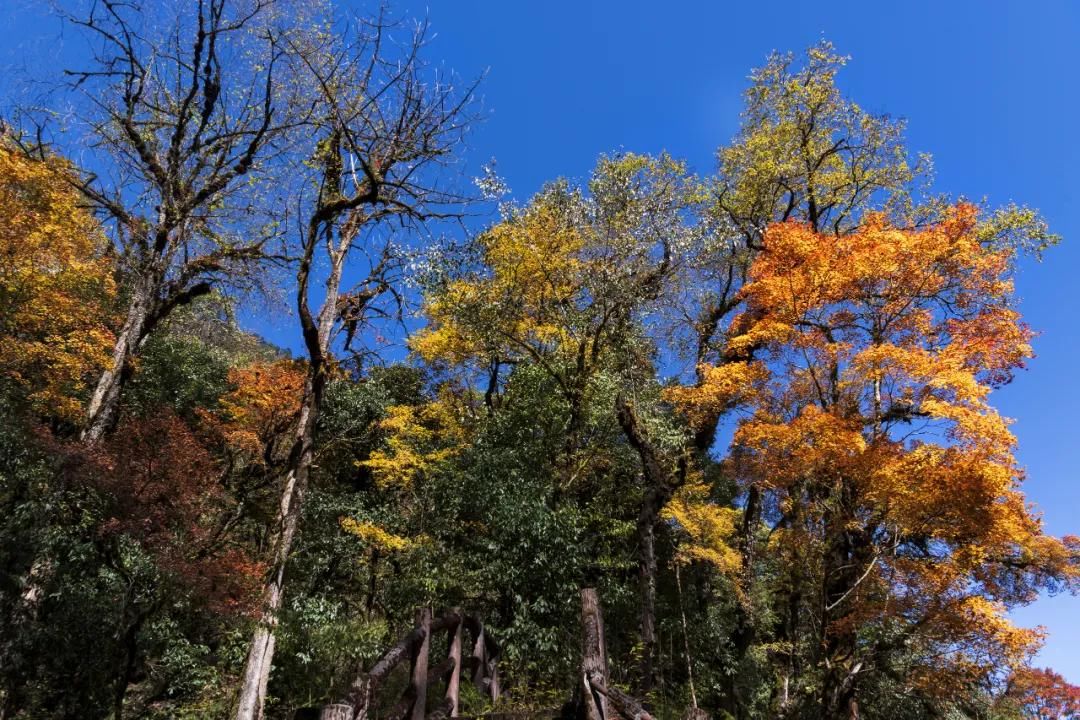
(749, 412)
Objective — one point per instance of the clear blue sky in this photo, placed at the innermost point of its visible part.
(990, 89)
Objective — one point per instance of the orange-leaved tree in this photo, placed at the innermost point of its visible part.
(1042, 694)
(892, 532)
(258, 413)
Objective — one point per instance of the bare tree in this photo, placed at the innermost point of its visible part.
(185, 114)
(386, 126)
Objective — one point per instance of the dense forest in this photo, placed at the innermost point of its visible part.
(651, 443)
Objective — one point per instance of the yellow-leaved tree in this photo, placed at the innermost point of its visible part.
(562, 282)
(56, 285)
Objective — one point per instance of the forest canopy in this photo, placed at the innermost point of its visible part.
(662, 443)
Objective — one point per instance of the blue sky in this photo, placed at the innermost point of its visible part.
(990, 89)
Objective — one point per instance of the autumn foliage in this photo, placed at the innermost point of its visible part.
(263, 404)
(1042, 694)
(751, 410)
(885, 478)
(163, 490)
(56, 285)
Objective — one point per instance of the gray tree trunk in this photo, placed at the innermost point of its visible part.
(105, 400)
(261, 652)
(593, 655)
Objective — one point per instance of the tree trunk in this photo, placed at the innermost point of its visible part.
(686, 640)
(839, 701)
(659, 485)
(494, 689)
(261, 652)
(317, 337)
(129, 655)
(847, 561)
(479, 658)
(593, 655)
(101, 412)
(647, 578)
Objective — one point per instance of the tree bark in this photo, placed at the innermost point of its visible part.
(479, 658)
(317, 337)
(686, 640)
(593, 655)
(101, 412)
(261, 651)
(744, 634)
(129, 654)
(659, 485)
(152, 301)
(647, 571)
(845, 562)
